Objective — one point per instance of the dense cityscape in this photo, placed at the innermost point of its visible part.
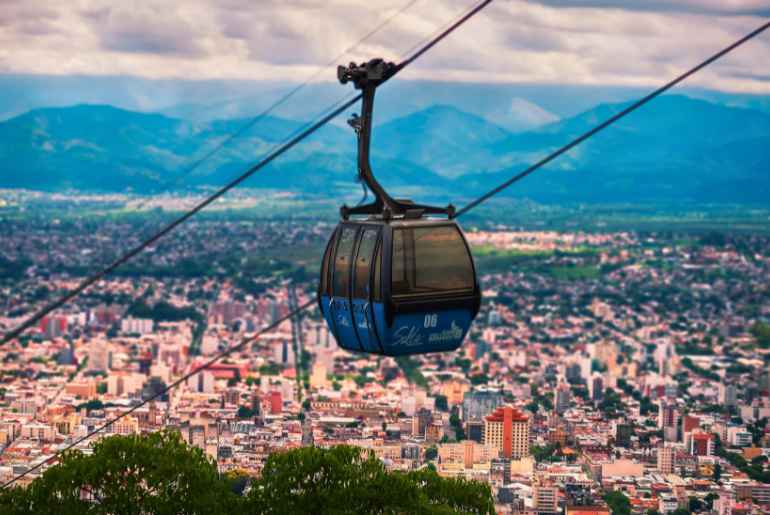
(616, 371)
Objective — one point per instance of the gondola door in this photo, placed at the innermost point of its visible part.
(362, 290)
(339, 307)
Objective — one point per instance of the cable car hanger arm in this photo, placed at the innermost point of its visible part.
(367, 77)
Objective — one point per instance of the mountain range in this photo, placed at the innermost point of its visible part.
(677, 148)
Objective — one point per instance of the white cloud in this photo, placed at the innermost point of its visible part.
(546, 41)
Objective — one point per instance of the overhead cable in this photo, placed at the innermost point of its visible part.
(612, 119)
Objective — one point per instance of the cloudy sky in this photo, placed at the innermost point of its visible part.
(631, 42)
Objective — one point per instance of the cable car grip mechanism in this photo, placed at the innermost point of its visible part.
(366, 77)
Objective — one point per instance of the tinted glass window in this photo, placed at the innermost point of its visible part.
(364, 263)
(342, 261)
(325, 267)
(376, 294)
(430, 260)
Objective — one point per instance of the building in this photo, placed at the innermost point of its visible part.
(666, 460)
(562, 399)
(546, 498)
(760, 493)
(739, 437)
(434, 432)
(690, 424)
(474, 430)
(668, 421)
(667, 503)
(597, 388)
(67, 355)
(53, 326)
(126, 426)
(132, 325)
(119, 384)
(573, 373)
(507, 429)
(586, 510)
(202, 383)
(283, 353)
(276, 403)
(81, 389)
(421, 421)
(197, 436)
(479, 403)
(466, 452)
(668, 415)
(623, 433)
(99, 357)
(226, 312)
(728, 395)
(622, 468)
(410, 451)
(701, 444)
(38, 431)
(454, 390)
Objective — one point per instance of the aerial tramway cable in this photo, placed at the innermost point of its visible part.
(213, 151)
(289, 144)
(195, 371)
(275, 153)
(189, 214)
(612, 119)
(282, 100)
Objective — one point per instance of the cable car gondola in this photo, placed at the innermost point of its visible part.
(397, 277)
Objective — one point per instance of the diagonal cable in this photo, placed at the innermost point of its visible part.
(283, 99)
(174, 224)
(167, 389)
(283, 148)
(227, 187)
(609, 121)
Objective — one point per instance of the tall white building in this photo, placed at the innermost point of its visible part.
(99, 356)
(666, 460)
(136, 325)
(507, 429)
(202, 382)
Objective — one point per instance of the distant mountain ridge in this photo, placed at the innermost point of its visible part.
(676, 148)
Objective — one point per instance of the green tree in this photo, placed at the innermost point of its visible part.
(345, 479)
(457, 424)
(544, 453)
(618, 503)
(154, 473)
(761, 332)
(160, 474)
(245, 412)
(696, 504)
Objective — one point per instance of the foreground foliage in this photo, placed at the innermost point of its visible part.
(159, 473)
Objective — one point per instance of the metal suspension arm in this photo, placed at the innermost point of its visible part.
(367, 77)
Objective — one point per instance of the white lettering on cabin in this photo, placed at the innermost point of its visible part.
(342, 320)
(407, 336)
(453, 333)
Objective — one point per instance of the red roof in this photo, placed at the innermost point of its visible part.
(499, 414)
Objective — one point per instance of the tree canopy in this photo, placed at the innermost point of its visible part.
(159, 473)
(618, 503)
(154, 473)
